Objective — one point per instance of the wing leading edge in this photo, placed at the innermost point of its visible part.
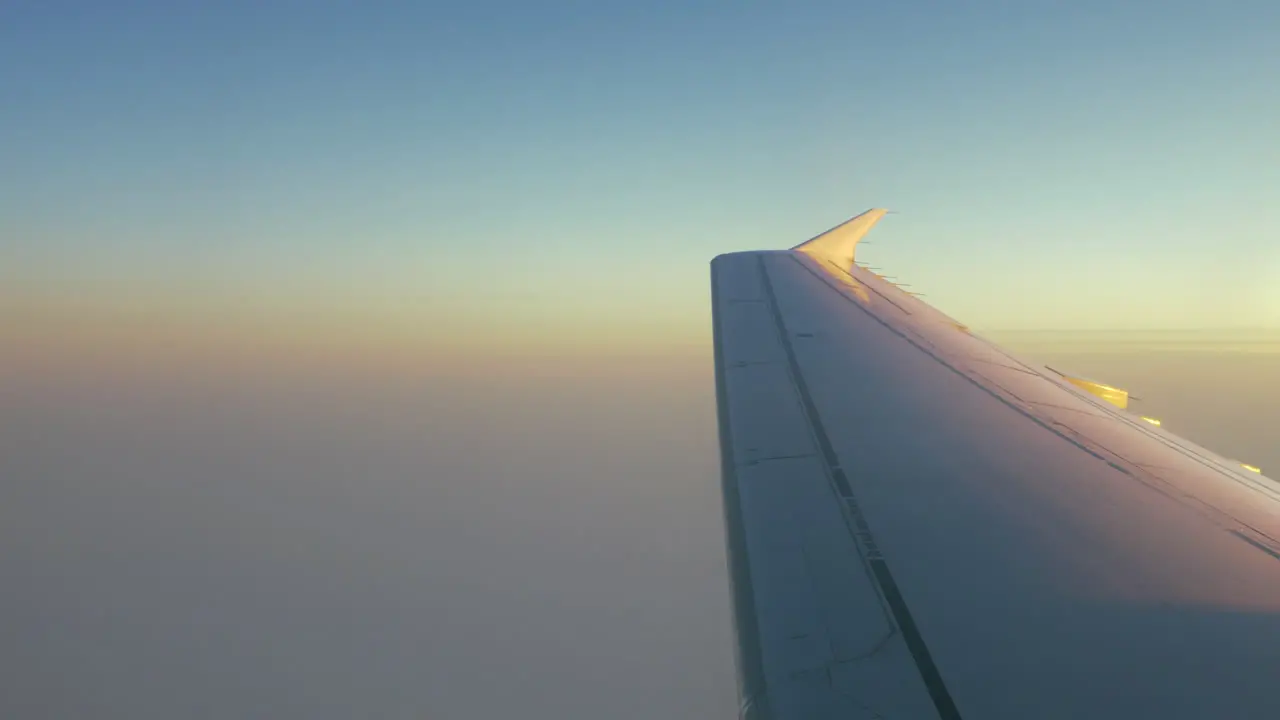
(921, 525)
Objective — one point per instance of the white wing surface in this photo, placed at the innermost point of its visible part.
(921, 525)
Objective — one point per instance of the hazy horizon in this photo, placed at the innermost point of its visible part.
(204, 536)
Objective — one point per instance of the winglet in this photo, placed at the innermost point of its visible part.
(838, 243)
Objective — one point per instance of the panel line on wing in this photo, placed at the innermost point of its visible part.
(924, 662)
(1261, 546)
(868, 286)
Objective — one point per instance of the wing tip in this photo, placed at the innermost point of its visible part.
(840, 243)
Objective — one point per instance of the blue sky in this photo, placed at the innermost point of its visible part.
(576, 164)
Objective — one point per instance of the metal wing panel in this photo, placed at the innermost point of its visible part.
(1045, 578)
(921, 525)
(815, 639)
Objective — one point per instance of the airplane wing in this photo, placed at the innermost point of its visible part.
(921, 525)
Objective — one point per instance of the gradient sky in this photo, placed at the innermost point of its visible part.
(303, 308)
(478, 170)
